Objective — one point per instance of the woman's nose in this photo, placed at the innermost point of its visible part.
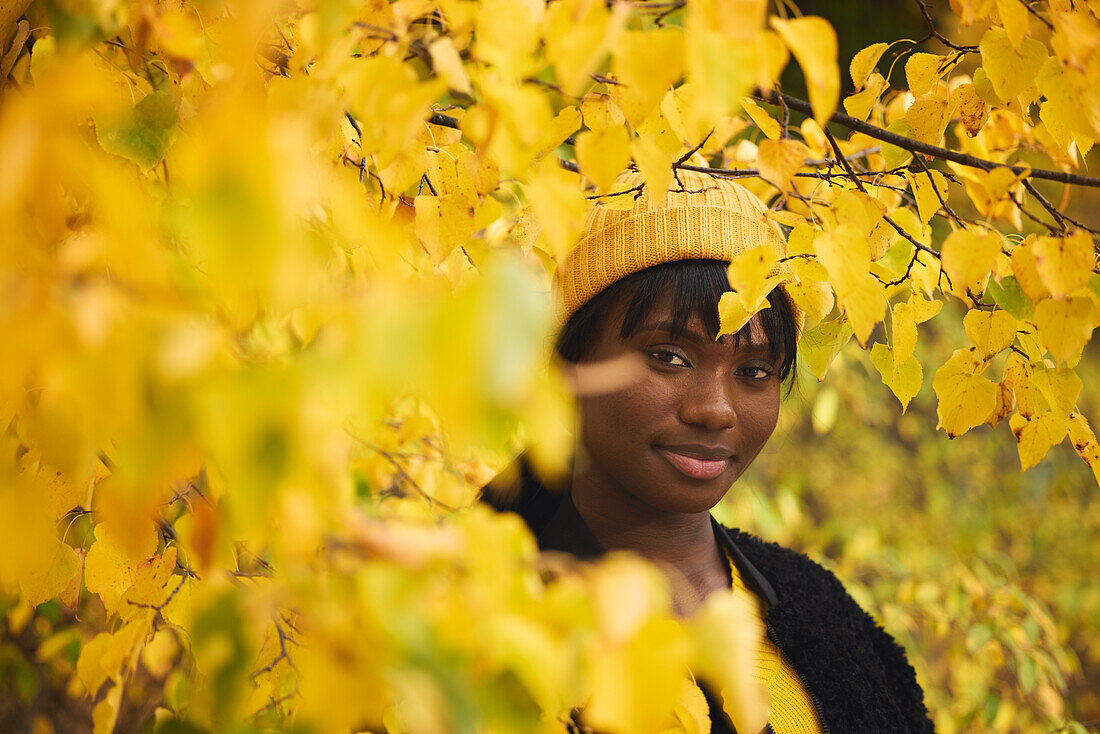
(710, 403)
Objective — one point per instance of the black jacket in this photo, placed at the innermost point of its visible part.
(858, 676)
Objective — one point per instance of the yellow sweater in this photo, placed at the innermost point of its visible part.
(792, 710)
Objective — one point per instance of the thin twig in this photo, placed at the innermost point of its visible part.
(1034, 12)
(932, 182)
(1059, 216)
(926, 11)
(1051, 210)
(686, 156)
(859, 184)
(283, 653)
(1050, 227)
(784, 131)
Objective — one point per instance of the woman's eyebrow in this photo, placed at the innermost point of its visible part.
(669, 327)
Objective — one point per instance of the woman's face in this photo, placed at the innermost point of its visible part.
(688, 422)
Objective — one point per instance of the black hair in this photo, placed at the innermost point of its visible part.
(696, 287)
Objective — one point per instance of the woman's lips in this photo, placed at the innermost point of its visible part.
(694, 466)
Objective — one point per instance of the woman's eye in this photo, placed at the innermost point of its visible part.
(671, 358)
(755, 372)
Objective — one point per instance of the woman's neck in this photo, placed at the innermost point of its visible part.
(683, 545)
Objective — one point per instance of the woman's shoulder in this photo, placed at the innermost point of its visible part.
(842, 652)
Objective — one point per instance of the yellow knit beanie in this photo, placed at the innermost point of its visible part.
(708, 218)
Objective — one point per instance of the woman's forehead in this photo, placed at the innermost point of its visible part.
(662, 318)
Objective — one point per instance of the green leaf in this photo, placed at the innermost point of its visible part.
(1008, 294)
(892, 154)
(1027, 674)
(142, 133)
(977, 637)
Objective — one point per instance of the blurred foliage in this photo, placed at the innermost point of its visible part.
(983, 572)
(273, 290)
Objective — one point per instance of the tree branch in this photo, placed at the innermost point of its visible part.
(859, 184)
(1059, 216)
(915, 146)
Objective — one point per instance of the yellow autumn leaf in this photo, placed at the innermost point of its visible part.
(1014, 18)
(1064, 264)
(111, 563)
(603, 154)
(972, 109)
(601, 111)
(864, 302)
(767, 124)
(930, 190)
(922, 71)
(575, 34)
(89, 666)
(1065, 327)
(1017, 379)
(691, 710)
(812, 40)
(565, 123)
(928, 117)
(972, 11)
(815, 298)
(1035, 436)
(51, 576)
(507, 35)
(990, 331)
(444, 223)
(820, 345)
(923, 308)
(448, 64)
(1025, 269)
(845, 253)
(772, 57)
(1010, 70)
(778, 160)
(725, 647)
(647, 63)
(750, 274)
(904, 379)
(1060, 387)
(654, 149)
(151, 576)
(635, 683)
(904, 318)
(1006, 403)
(968, 257)
(785, 217)
(105, 713)
(860, 104)
(858, 210)
(179, 33)
(1084, 443)
(1060, 112)
(863, 63)
(721, 71)
(800, 243)
(558, 202)
(734, 312)
(965, 397)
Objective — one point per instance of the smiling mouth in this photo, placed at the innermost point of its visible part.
(695, 467)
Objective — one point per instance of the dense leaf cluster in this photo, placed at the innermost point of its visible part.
(273, 290)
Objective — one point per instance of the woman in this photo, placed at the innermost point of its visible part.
(656, 452)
